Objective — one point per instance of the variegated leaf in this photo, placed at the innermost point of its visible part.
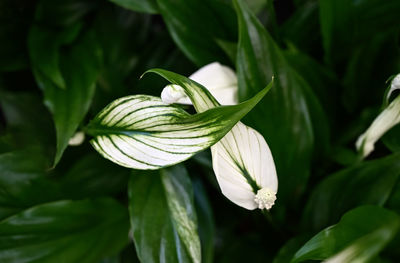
(142, 132)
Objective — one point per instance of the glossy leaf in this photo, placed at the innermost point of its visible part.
(163, 218)
(69, 231)
(352, 187)
(360, 235)
(146, 6)
(142, 132)
(196, 25)
(283, 116)
(23, 176)
(79, 66)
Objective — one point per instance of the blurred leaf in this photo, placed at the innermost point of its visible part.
(20, 185)
(302, 29)
(346, 23)
(361, 77)
(65, 231)
(63, 13)
(206, 222)
(369, 182)
(163, 217)
(283, 117)
(44, 45)
(146, 6)
(19, 109)
(196, 25)
(287, 252)
(360, 235)
(23, 177)
(142, 132)
(79, 67)
(15, 17)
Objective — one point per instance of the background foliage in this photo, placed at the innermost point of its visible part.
(62, 61)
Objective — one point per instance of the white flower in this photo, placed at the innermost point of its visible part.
(220, 80)
(242, 161)
(388, 118)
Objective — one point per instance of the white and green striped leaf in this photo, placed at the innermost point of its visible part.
(142, 132)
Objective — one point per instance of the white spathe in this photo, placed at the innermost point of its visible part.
(388, 118)
(242, 161)
(220, 80)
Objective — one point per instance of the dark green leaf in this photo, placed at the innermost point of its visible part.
(65, 231)
(360, 235)
(19, 110)
(23, 177)
(283, 117)
(163, 217)
(369, 182)
(146, 6)
(206, 222)
(79, 67)
(347, 23)
(196, 25)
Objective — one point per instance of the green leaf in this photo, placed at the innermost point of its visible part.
(79, 67)
(283, 117)
(196, 25)
(23, 176)
(345, 24)
(206, 222)
(163, 217)
(142, 132)
(19, 109)
(359, 236)
(65, 231)
(145, 6)
(368, 182)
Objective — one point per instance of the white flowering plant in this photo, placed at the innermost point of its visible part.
(190, 131)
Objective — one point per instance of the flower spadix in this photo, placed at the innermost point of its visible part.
(388, 118)
(143, 132)
(242, 161)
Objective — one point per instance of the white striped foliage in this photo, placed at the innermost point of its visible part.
(142, 132)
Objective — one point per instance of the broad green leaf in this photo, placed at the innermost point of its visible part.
(44, 45)
(23, 177)
(142, 132)
(196, 25)
(163, 217)
(65, 231)
(369, 182)
(358, 237)
(79, 66)
(19, 109)
(287, 251)
(205, 221)
(283, 117)
(145, 6)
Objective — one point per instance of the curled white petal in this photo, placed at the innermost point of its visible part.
(395, 85)
(174, 94)
(77, 139)
(220, 80)
(243, 152)
(384, 122)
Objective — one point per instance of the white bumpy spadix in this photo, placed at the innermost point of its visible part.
(242, 160)
(388, 118)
